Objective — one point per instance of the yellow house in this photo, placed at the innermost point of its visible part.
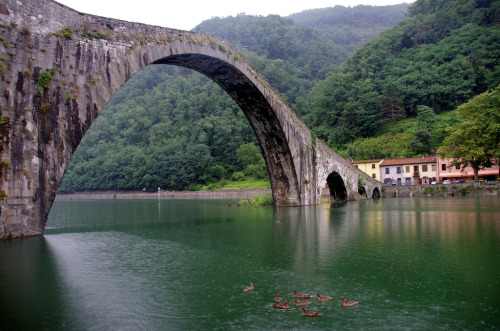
(369, 167)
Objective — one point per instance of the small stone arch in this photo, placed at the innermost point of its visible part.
(376, 193)
(362, 191)
(338, 191)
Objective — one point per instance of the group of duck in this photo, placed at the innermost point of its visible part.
(303, 303)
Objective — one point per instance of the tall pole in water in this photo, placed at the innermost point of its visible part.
(158, 193)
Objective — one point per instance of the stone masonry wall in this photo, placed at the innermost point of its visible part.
(462, 189)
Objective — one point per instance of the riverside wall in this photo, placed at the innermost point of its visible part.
(207, 195)
(463, 189)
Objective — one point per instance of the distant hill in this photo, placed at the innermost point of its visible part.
(293, 56)
(275, 37)
(351, 27)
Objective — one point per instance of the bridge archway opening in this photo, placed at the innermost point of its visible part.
(362, 191)
(259, 113)
(261, 116)
(338, 191)
(376, 193)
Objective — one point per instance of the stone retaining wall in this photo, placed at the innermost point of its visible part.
(220, 194)
(464, 189)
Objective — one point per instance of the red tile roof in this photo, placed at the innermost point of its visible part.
(366, 161)
(409, 160)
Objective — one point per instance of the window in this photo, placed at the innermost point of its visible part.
(443, 166)
(386, 171)
(373, 166)
(407, 169)
(374, 176)
(433, 167)
(424, 167)
(398, 170)
(457, 167)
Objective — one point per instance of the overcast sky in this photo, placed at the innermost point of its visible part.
(186, 14)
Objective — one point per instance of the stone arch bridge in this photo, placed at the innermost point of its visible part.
(59, 68)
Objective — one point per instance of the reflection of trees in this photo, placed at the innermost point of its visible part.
(408, 237)
(313, 235)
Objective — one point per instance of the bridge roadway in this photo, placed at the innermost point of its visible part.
(59, 68)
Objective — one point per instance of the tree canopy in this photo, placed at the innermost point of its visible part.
(475, 140)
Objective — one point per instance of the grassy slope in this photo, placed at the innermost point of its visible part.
(387, 143)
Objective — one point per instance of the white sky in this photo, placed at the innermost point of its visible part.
(186, 14)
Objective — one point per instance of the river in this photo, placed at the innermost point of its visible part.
(411, 263)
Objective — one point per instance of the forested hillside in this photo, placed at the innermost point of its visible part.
(167, 127)
(174, 128)
(274, 37)
(351, 27)
(291, 56)
(442, 55)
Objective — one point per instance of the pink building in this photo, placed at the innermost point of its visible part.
(453, 173)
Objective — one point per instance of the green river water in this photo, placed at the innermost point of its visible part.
(411, 263)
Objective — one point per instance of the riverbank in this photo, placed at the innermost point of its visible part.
(462, 189)
(236, 194)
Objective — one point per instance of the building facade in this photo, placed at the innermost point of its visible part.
(369, 167)
(409, 171)
(420, 170)
(467, 174)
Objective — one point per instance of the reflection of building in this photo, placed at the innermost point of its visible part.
(409, 171)
(369, 167)
(490, 173)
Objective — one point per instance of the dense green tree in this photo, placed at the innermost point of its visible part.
(251, 160)
(248, 154)
(475, 140)
(422, 142)
(426, 118)
(391, 107)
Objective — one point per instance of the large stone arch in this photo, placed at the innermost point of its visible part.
(259, 112)
(87, 59)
